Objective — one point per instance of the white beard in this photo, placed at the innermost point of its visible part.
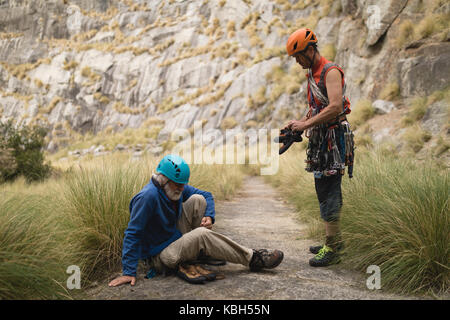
(173, 195)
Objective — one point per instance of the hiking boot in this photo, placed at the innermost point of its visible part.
(316, 249)
(190, 274)
(208, 274)
(325, 257)
(265, 259)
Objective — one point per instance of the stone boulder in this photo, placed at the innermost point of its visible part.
(382, 106)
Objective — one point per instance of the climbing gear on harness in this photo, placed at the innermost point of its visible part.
(175, 168)
(287, 138)
(325, 257)
(330, 147)
(349, 147)
(265, 259)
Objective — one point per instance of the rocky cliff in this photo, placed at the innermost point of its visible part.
(101, 67)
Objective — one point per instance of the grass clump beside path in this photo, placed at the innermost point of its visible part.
(32, 260)
(395, 215)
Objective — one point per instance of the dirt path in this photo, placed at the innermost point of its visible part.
(258, 218)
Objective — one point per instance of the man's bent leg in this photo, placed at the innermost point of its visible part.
(211, 243)
(192, 213)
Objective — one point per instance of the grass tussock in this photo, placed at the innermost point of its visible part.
(329, 51)
(431, 25)
(418, 106)
(415, 138)
(396, 217)
(362, 112)
(32, 255)
(96, 197)
(390, 92)
(284, 81)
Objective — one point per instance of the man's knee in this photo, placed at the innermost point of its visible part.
(196, 205)
(198, 198)
(331, 211)
(200, 232)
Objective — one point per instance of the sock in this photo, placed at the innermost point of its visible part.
(334, 242)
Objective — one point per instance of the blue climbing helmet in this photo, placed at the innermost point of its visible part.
(175, 168)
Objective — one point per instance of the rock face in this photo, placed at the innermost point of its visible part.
(93, 66)
(379, 16)
(426, 71)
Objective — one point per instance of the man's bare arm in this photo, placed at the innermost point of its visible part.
(333, 84)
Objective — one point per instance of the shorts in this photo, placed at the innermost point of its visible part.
(329, 194)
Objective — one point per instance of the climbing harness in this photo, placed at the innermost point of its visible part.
(331, 146)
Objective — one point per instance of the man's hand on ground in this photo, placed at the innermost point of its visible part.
(122, 280)
(206, 222)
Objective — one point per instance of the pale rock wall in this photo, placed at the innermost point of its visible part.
(369, 56)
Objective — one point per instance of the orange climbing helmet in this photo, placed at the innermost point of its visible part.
(300, 40)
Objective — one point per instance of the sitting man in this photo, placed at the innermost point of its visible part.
(170, 224)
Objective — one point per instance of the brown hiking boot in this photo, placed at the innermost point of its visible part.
(208, 274)
(190, 274)
(265, 259)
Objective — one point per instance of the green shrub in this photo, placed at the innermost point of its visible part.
(25, 145)
(8, 163)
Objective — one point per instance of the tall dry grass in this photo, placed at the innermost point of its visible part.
(34, 251)
(396, 216)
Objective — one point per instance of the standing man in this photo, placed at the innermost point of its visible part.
(170, 224)
(330, 146)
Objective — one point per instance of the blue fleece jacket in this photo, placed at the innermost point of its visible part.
(153, 223)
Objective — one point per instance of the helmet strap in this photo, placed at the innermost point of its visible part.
(313, 58)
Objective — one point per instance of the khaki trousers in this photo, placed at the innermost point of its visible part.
(196, 239)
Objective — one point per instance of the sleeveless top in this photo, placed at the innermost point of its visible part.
(330, 147)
